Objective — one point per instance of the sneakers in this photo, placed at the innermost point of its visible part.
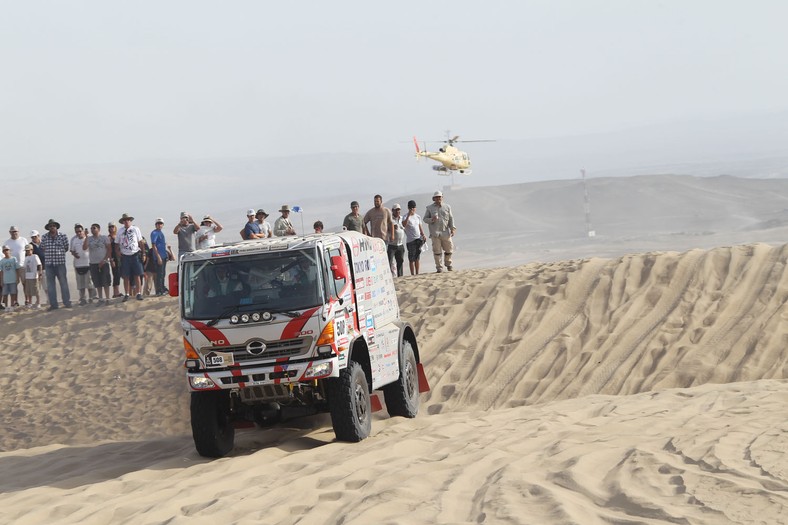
(52, 308)
(82, 302)
(139, 297)
(449, 268)
(125, 297)
(439, 270)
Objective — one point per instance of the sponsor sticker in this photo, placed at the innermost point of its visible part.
(218, 359)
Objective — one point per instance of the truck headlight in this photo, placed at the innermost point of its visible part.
(319, 370)
(201, 383)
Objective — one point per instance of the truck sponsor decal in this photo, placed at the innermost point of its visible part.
(296, 325)
(213, 335)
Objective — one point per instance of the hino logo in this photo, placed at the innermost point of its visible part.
(255, 347)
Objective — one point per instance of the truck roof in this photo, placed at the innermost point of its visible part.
(273, 244)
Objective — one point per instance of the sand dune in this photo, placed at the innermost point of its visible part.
(646, 388)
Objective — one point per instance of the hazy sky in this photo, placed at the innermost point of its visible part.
(102, 80)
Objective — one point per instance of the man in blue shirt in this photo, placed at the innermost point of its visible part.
(159, 245)
(252, 229)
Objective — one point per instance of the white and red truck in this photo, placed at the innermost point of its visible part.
(291, 326)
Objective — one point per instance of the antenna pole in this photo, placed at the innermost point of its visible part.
(587, 200)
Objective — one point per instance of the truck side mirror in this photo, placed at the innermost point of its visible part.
(338, 268)
(172, 284)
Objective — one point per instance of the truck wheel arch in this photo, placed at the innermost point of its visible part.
(359, 352)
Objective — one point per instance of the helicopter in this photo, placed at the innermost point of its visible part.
(451, 159)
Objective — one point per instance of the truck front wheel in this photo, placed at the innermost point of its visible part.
(402, 396)
(212, 427)
(350, 405)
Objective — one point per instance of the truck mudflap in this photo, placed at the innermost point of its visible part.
(424, 385)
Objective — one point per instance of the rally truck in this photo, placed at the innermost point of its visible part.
(293, 326)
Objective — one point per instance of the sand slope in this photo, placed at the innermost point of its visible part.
(643, 389)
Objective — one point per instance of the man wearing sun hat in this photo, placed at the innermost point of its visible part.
(206, 235)
(283, 226)
(55, 246)
(17, 244)
(130, 243)
(265, 228)
(441, 223)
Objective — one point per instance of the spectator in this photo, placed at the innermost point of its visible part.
(99, 256)
(318, 226)
(35, 240)
(8, 267)
(160, 256)
(78, 248)
(414, 237)
(206, 235)
(150, 265)
(396, 245)
(114, 263)
(252, 228)
(379, 220)
(441, 223)
(17, 245)
(353, 219)
(265, 227)
(283, 226)
(130, 245)
(55, 246)
(33, 273)
(185, 230)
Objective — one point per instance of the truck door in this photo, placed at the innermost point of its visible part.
(340, 293)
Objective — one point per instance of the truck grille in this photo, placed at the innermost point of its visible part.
(273, 350)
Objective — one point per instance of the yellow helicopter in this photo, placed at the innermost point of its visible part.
(451, 159)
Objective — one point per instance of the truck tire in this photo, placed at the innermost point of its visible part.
(402, 396)
(212, 427)
(350, 405)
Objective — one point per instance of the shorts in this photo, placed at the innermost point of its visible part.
(100, 275)
(83, 279)
(414, 250)
(31, 287)
(130, 265)
(9, 288)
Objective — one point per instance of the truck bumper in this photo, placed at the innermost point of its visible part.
(274, 374)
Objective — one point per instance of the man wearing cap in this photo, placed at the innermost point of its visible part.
(159, 253)
(379, 220)
(353, 219)
(32, 276)
(35, 240)
(17, 246)
(396, 245)
(79, 250)
(185, 230)
(252, 228)
(99, 257)
(206, 235)
(283, 226)
(55, 246)
(441, 224)
(130, 244)
(265, 228)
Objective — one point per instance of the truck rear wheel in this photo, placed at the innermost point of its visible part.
(212, 427)
(350, 405)
(402, 396)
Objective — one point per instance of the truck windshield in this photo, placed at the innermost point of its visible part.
(273, 281)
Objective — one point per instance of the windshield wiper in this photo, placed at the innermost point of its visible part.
(229, 310)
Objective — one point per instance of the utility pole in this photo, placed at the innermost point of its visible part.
(589, 231)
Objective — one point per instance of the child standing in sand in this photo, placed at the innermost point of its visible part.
(33, 273)
(8, 269)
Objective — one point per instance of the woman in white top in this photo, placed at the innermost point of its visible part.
(206, 235)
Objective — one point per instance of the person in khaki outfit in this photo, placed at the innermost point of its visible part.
(441, 224)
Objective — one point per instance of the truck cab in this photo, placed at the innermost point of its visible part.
(293, 326)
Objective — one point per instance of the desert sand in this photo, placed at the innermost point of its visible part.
(645, 387)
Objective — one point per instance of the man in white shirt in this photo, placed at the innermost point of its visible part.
(206, 235)
(81, 255)
(17, 246)
(130, 244)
